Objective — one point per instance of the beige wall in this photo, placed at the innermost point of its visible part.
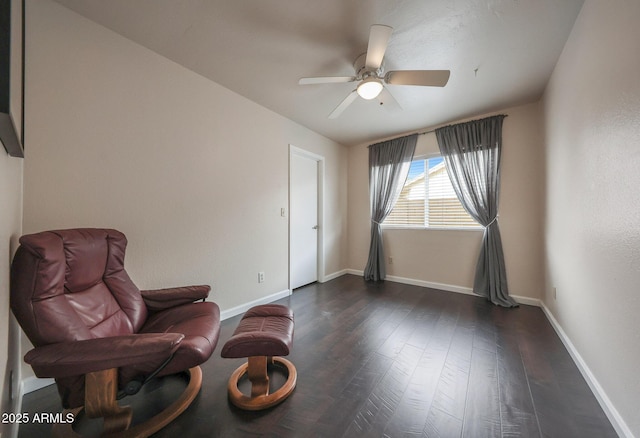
(592, 118)
(449, 257)
(194, 174)
(10, 230)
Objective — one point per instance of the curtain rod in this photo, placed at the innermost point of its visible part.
(434, 130)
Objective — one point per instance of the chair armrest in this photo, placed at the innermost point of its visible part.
(160, 299)
(66, 359)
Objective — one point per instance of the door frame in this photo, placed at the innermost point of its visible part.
(320, 160)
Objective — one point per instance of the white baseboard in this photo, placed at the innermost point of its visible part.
(354, 272)
(526, 300)
(422, 283)
(11, 429)
(609, 409)
(432, 285)
(445, 287)
(33, 383)
(230, 313)
(334, 276)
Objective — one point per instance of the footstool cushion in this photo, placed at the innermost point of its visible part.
(265, 330)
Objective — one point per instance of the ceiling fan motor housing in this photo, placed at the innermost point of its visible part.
(361, 69)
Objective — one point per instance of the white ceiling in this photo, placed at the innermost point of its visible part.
(500, 52)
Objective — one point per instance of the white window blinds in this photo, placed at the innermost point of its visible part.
(428, 199)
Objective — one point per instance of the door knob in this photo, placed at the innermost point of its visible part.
(315, 227)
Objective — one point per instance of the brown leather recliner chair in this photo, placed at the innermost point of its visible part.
(97, 334)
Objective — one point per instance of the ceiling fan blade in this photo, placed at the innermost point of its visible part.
(378, 40)
(429, 78)
(326, 80)
(343, 105)
(386, 100)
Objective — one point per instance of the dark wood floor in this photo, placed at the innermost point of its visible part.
(387, 359)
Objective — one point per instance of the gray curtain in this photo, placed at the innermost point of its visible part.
(472, 153)
(389, 164)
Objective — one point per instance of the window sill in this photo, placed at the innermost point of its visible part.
(400, 227)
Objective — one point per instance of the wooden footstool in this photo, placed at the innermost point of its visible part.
(264, 333)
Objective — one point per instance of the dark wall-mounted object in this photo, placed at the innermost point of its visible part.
(8, 132)
(9, 136)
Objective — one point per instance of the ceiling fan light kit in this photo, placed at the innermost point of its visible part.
(369, 88)
(369, 71)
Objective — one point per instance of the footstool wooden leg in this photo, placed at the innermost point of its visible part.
(257, 373)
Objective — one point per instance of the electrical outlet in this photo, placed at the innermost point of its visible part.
(260, 277)
(391, 260)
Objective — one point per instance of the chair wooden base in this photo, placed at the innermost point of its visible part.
(100, 401)
(256, 369)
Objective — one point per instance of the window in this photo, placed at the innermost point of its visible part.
(428, 200)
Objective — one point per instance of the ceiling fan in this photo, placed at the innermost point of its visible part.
(371, 77)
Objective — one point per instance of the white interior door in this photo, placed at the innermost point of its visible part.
(303, 211)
